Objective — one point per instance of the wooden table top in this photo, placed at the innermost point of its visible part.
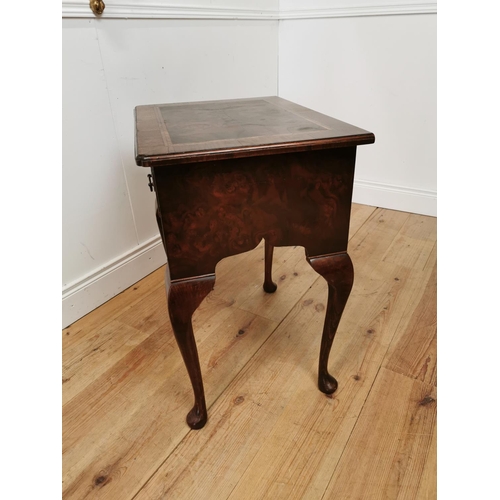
(169, 134)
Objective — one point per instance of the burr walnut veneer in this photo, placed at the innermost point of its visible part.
(228, 174)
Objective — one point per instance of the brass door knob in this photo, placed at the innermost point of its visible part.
(97, 7)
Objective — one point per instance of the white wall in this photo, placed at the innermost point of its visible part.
(110, 239)
(350, 59)
(379, 73)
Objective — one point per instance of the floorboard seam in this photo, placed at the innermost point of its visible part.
(350, 434)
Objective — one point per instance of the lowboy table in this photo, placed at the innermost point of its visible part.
(228, 174)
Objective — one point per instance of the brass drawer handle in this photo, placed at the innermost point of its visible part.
(97, 7)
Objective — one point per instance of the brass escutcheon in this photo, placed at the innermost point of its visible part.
(97, 7)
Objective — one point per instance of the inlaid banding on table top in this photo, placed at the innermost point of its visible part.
(200, 131)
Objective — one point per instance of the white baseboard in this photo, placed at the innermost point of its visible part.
(91, 291)
(418, 201)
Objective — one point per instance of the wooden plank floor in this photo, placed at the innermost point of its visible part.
(270, 433)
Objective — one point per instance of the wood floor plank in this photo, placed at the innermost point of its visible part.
(359, 215)
(106, 347)
(413, 351)
(236, 279)
(427, 489)
(150, 314)
(293, 277)
(374, 237)
(129, 298)
(414, 243)
(388, 449)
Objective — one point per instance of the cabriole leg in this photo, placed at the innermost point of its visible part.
(339, 274)
(269, 285)
(184, 297)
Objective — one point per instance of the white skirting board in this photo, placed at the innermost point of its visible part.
(91, 291)
(401, 198)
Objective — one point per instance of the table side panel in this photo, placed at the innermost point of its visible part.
(216, 209)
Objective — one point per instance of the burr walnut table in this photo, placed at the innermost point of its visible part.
(228, 174)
